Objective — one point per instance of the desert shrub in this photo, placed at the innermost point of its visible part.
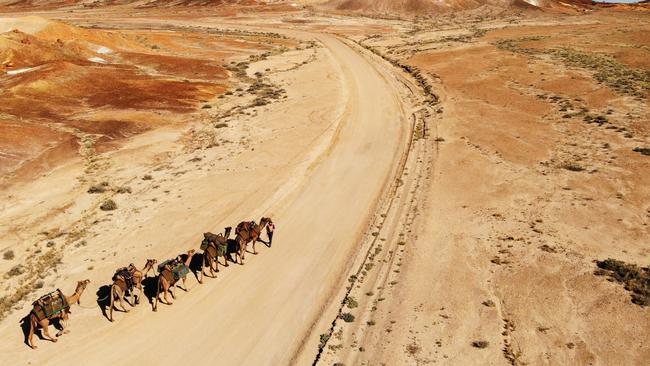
(123, 190)
(323, 340)
(371, 322)
(489, 303)
(351, 302)
(572, 166)
(642, 150)
(636, 279)
(347, 317)
(480, 344)
(412, 348)
(16, 270)
(97, 188)
(147, 177)
(8, 255)
(221, 125)
(108, 205)
(206, 106)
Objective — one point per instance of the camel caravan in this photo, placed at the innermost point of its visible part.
(54, 308)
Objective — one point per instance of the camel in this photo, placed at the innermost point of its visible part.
(247, 232)
(120, 286)
(217, 246)
(166, 280)
(37, 316)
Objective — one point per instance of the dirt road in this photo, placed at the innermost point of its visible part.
(263, 312)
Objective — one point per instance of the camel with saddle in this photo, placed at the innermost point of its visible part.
(214, 246)
(53, 306)
(128, 279)
(246, 232)
(170, 272)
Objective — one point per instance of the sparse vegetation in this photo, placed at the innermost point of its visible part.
(351, 302)
(122, 190)
(480, 344)
(412, 348)
(636, 279)
(607, 70)
(347, 317)
(98, 188)
(489, 303)
(8, 255)
(147, 177)
(572, 166)
(108, 205)
(642, 150)
(16, 270)
(323, 340)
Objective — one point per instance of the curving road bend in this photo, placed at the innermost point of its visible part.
(263, 313)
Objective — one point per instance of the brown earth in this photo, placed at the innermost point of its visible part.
(442, 188)
(69, 71)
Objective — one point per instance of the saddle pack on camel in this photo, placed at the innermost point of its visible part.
(50, 305)
(207, 239)
(126, 275)
(177, 268)
(219, 243)
(245, 227)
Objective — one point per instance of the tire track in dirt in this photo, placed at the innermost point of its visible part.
(383, 243)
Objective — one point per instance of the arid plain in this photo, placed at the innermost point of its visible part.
(446, 183)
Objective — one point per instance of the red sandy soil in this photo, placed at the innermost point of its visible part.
(433, 7)
(505, 220)
(171, 72)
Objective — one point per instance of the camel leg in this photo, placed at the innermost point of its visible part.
(32, 327)
(167, 289)
(155, 302)
(184, 288)
(254, 241)
(64, 325)
(46, 334)
(242, 252)
(132, 297)
(172, 289)
(112, 295)
(137, 298)
(200, 277)
(120, 296)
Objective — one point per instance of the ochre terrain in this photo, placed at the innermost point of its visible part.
(447, 184)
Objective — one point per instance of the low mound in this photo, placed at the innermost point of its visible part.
(57, 4)
(20, 50)
(428, 7)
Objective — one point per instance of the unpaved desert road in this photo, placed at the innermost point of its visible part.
(262, 313)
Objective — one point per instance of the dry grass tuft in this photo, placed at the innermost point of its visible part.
(636, 279)
(108, 205)
(480, 344)
(8, 255)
